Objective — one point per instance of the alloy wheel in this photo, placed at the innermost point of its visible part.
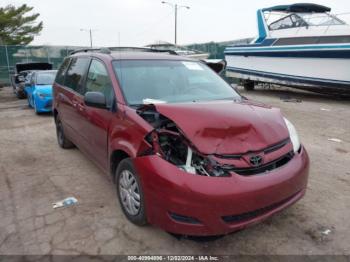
(129, 192)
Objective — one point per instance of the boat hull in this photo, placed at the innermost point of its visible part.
(303, 72)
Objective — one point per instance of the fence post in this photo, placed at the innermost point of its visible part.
(8, 64)
(27, 56)
(48, 54)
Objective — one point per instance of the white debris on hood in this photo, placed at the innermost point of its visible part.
(148, 101)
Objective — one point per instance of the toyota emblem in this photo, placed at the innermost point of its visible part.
(256, 160)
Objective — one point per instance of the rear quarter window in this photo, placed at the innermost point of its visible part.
(75, 74)
(62, 72)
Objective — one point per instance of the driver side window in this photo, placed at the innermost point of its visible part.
(98, 81)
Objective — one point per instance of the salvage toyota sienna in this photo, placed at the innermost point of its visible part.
(187, 153)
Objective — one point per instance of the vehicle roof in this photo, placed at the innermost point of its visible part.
(298, 8)
(125, 55)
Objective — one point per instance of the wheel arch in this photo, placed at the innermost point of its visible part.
(55, 114)
(115, 158)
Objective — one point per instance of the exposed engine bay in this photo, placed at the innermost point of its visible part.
(169, 142)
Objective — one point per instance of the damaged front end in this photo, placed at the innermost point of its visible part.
(168, 142)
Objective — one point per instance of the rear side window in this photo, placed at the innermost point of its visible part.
(62, 71)
(45, 78)
(75, 73)
(32, 79)
(98, 81)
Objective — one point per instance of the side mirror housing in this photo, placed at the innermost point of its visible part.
(218, 65)
(95, 99)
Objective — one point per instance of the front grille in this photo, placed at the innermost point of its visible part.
(267, 150)
(277, 146)
(264, 168)
(261, 211)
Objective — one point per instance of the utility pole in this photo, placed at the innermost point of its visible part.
(176, 7)
(90, 33)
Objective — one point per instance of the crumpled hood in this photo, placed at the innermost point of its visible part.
(227, 127)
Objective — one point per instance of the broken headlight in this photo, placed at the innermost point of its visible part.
(174, 148)
(168, 142)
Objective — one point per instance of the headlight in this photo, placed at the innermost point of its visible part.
(293, 135)
(42, 95)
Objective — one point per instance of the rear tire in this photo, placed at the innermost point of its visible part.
(62, 140)
(130, 193)
(20, 95)
(249, 85)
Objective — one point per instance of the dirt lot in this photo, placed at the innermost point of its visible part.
(35, 172)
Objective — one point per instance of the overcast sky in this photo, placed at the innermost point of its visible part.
(140, 22)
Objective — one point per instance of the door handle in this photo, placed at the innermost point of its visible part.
(81, 107)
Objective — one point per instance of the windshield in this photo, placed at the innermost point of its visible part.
(162, 81)
(302, 20)
(46, 78)
(289, 21)
(321, 19)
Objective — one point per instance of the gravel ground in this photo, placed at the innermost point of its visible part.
(35, 172)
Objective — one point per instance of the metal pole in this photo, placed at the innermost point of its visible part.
(27, 56)
(176, 7)
(175, 24)
(90, 38)
(48, 54)
(8, 63)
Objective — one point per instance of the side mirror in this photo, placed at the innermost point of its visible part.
(218, 65)
(95, 99)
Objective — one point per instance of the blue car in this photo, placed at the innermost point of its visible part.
(39, 90)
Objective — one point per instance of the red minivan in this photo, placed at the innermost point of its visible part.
(187, 153)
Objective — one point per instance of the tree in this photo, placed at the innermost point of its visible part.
(17, 27)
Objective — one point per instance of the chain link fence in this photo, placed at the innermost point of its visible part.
(11, 55)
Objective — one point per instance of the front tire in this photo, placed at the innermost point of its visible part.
(62, 140)
(35, 107)
(29, 104)
(130, 193)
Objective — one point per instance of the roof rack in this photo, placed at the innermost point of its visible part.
(109, 50)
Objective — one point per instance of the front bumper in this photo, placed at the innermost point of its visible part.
(43, 104)
(189, 204)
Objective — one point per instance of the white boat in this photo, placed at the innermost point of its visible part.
(195, 54)
(299, 45)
